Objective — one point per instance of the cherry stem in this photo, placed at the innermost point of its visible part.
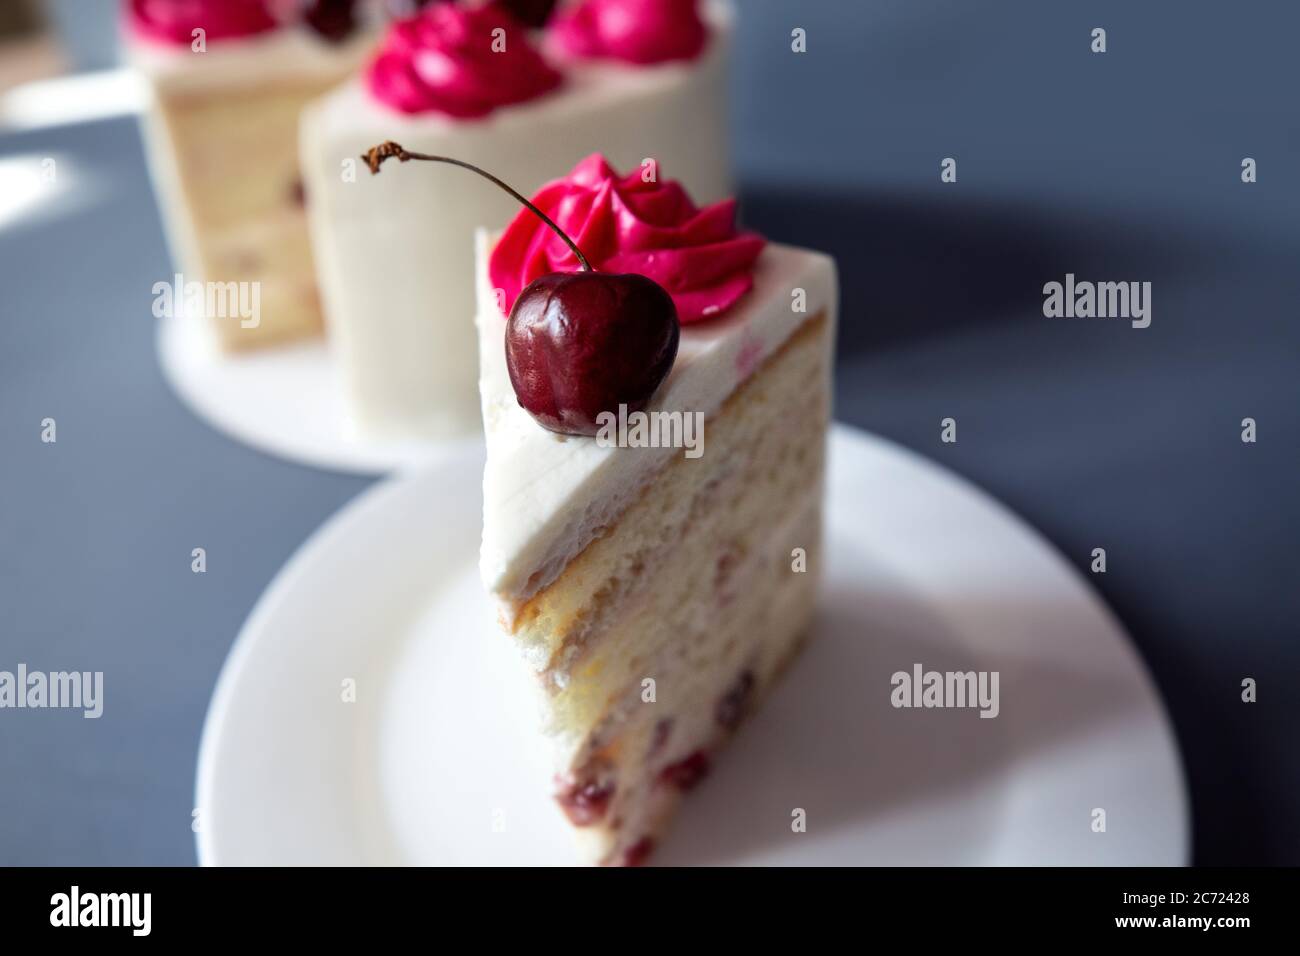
(376, 155)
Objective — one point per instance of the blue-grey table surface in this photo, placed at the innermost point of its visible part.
(1116, 166)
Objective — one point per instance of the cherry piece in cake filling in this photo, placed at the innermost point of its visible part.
(663, 730)
(638, 852)
(734, 704)
(687, 772)
(584, 801)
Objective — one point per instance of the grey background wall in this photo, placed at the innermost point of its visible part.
(1123, 165)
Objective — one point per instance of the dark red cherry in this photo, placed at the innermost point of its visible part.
(531, 13)
(582, 343)
(334, 20)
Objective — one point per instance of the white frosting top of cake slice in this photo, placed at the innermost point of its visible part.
(546, 496)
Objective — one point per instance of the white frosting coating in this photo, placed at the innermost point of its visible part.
(274, 56)
(544, 495)
(395, 251)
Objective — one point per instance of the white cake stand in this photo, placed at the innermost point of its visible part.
(284, 401)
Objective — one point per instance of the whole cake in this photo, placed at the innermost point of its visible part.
(652, 495)
(644, 80)
(228, 80)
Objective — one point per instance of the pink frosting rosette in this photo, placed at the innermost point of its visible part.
(448, 58)
(624, 224)
(635, 31)
(174, 21)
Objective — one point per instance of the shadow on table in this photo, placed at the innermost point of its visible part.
(912, 265)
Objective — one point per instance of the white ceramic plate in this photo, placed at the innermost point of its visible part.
(285, 401)
(433, 761)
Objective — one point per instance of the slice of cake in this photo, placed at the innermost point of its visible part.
(228, 80)
(643, 81)
(658, 592)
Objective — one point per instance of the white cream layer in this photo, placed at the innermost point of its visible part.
(545, 496)
(395, 251)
